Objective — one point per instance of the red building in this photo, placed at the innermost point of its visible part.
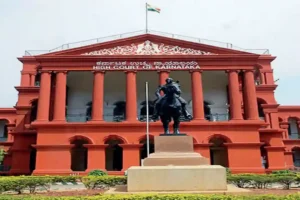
(83, 108)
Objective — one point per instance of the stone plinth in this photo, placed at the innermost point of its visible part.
(174, 150)
(176, 178)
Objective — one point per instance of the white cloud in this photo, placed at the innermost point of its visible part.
(35, 24)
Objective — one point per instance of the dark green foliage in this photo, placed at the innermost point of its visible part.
(97, 172)
(96, 182)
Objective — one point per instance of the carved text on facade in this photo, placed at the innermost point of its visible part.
(148, 48)
(124, 65)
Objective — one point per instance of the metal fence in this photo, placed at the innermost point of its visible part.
(153, 32)
(294, 136)
(3, 139)
(142, 118)
(4, 168)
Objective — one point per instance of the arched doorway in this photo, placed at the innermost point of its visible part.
(3, 130)
(114, 154)
(218, 151)
(296, 156)
(143, 151)
(79, 154)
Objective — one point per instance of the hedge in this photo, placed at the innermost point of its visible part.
(96, 182)
(263, 180)
(21, 183)
(159, 197)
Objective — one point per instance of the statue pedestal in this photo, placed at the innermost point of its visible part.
(174, 150)
(176, 178)
(174, 166)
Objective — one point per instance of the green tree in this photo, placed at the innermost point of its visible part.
(2, 154)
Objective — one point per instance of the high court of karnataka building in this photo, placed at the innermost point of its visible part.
(83, 108)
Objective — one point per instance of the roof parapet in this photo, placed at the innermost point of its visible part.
(141, 32)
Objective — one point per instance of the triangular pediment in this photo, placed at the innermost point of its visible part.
(148, 48)
(147, 44)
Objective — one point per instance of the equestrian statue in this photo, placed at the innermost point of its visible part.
(170, 106)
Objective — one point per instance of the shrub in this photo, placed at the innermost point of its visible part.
(285, 180)
(283, 172)
(97, 172)
(262, 181)
(240, 180)
(21, 183)
(228, 171)
(159, 197)
(97, 182)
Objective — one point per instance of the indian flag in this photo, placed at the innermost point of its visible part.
(152, 8)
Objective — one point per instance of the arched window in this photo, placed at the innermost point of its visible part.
(119, 112)
(264, 156)
(218, 151)
(37, 79)
(207, 110)
(296, 156)
(260, 108)
(143, 152)
(3, 130)
(293, 129)
(89, 108)
(79, 154)
(32, 160)
(144, 109)
(114, 154)
(34, 107)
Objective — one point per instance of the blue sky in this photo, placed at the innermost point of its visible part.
(42, 25)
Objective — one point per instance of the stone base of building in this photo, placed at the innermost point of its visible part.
(55, 172)
(176, 178)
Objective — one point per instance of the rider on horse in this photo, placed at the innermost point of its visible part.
(169, 83)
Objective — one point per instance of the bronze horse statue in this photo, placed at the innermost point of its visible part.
(170, 106)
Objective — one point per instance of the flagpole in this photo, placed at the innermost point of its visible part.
(146, 19)
(147, 119)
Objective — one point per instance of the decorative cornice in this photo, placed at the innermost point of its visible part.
(148, 48)
(275, 148)
(270, 130)
(289, 108)
(63, 146)
(203, 144)
(267, 57)
(294, 141)
(270, 108)
(243, 144)
(6, 143)
(270, 105)
(130, 145)
(25, 132)
(27, 88)
(266, 87)
(8, 110)
(95, 146)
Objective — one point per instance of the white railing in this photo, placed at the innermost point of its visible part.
(135, 33)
